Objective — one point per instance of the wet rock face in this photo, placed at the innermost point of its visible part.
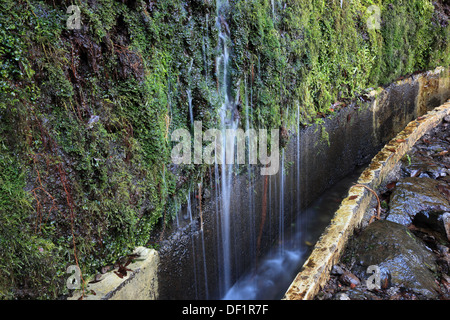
(413, 195)
(404, 260)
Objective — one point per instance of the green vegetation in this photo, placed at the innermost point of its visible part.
(86, 115)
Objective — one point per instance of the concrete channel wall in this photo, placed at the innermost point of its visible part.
(329, 151)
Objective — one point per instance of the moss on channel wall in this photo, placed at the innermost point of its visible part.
(86, 115)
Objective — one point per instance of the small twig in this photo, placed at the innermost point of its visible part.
(378, 216)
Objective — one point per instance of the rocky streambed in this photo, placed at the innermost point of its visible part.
(405, 255)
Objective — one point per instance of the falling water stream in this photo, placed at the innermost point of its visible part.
(275, 261)
(189, 213)
(191, 114)
(229, 122)
(281, 215)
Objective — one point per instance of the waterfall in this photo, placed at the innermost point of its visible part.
(277, 267)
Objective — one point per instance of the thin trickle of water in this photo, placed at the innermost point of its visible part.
(191, 113)
(228, 121)
(189, 213)
(178, 215)
(281, 213)
(190, 66)
(219, 233)
(298, 184)
(205, 271)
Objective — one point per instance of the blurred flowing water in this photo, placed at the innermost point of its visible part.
(228, 121)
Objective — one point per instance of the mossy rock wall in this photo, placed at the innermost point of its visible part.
(86, 115)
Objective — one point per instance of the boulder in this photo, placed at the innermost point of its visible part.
(412, 195)
(403, 259)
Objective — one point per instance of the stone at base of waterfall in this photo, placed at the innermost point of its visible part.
(403, 259)
(412, 195)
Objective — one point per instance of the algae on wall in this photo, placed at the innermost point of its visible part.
(86, 115)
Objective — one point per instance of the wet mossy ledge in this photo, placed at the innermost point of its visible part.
(86, 115)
